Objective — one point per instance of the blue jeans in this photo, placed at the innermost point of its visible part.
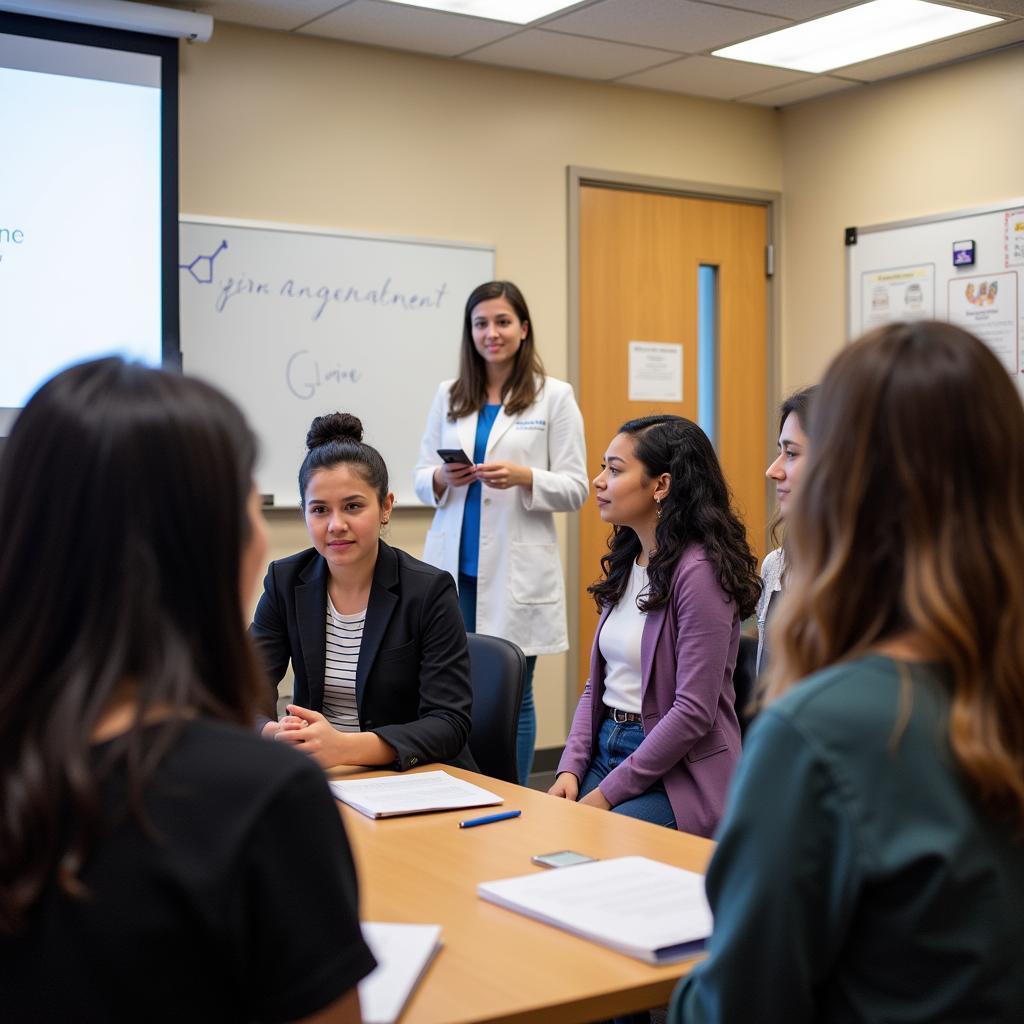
(615, 742)
(526, 729)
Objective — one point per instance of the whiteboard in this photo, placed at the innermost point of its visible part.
(905, 271)
(294, 321)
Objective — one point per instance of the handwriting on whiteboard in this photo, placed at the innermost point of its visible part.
(316, 298)
(305, 376)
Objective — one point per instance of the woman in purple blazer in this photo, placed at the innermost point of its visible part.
(655, 735)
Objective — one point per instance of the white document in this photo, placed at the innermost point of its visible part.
(897, 293)
(655, 371)
(640, 907)
(403, 953)
(987, 306)
(1013, 238)
(411, 794)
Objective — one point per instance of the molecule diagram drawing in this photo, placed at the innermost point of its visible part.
(201, 267)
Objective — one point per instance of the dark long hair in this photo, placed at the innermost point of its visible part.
(909, 521)
(469, 392)
(696, 510)
(799, 403)
(123, 517)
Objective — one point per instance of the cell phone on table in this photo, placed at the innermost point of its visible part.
(561, 859)
(454, 455)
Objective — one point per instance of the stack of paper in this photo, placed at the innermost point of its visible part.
(411, 794)
(640, 907)
(403, 952)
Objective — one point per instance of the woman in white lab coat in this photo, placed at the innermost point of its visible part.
(494, 531)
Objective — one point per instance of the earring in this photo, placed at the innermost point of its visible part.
(657, 502)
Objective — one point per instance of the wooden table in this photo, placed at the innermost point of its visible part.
(497, 965)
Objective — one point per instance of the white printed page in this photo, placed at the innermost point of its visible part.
(411, 794)
(403, 952)
(631, 903)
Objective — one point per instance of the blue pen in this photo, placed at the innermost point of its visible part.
(504, 816)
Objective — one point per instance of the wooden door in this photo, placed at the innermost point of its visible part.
(640, 254)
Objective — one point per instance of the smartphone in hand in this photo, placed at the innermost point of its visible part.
(454, 456)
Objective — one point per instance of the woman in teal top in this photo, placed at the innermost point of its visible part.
(870, 865)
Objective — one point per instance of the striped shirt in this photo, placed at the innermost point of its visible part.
(344, 638)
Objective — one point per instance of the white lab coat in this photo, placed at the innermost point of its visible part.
(520, 588)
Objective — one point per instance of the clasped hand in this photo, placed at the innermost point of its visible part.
(500, 475)
(309, 732)
(567, 786)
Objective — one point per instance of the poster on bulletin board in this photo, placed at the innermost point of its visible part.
(963, 267)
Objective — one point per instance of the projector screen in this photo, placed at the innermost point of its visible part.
(86, 182)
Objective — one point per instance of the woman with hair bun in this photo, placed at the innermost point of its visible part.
(870, 866)
(374, 636)
(494, 528)
(655, 735)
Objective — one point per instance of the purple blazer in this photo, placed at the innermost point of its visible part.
(691, 733)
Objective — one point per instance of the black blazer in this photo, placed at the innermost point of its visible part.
(412, 677)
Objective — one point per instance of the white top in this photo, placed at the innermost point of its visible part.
(520, 589)
(772, 568)
(619, 644)
(344, 638)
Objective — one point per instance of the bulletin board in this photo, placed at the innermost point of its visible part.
(905, 270)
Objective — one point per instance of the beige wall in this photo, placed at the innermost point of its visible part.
(301, 130)
(940, 141)
(296, 129)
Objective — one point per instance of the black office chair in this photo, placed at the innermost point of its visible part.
(497, 669)
(744, 681)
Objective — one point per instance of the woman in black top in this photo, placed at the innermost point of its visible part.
(148, 850)
(374, 636)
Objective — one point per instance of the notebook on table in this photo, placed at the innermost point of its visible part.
(643, 908)
(393, 795)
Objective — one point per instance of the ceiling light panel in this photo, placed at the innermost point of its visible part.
(519, 12)
(407, 28)
(857, 34)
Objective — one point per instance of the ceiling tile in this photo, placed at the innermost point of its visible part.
(997, 6)
(408, 28)
(792, 10)
(820, 85)
(671, 24)
(634, 41)
(538, 50)
(936, 53)
(262, 13)
(713, 76)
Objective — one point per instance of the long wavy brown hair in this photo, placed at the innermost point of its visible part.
(910, 522)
